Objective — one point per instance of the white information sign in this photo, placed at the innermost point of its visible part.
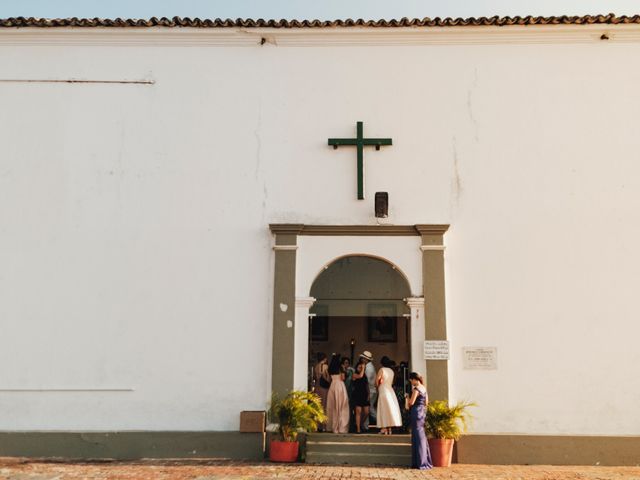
(480, 358)
(436, 349)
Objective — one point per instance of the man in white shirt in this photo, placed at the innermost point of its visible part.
(370, 372)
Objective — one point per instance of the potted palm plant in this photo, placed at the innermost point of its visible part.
(444, 425)
(297, 412)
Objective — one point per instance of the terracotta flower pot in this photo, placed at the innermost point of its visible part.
(441, 451)
(283, 451)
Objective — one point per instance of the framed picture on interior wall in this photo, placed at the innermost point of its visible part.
(319, 325)
(382, 323)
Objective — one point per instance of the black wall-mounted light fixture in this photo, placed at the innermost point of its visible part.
(382, 204)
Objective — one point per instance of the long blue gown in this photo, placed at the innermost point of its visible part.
(420, 454)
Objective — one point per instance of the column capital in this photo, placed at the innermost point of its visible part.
(305, 302)
(431, 229)
(426, 248)
(285, 247)
(286, 228)
(414, 302)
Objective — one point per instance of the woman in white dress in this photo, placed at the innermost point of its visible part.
(389, 415)
(337, 399)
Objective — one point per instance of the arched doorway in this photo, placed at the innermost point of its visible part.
(301, 250)
(360, 305)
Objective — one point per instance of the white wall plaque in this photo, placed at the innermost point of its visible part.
(480, 358)
(436, 349)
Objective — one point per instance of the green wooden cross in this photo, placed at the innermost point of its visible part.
(360, 142)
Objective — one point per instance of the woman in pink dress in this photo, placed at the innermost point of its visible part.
(388, 409)
(337, 399)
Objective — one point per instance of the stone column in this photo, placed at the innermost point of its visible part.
(301, 347)
(435, 319)
(416, 304)
(284, 297)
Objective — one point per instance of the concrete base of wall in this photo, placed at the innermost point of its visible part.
(549, 450)
(493, 449)
(132, 445)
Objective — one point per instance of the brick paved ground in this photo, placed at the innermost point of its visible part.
(21, 469)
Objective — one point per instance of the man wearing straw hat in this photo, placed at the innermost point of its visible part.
(370, 372)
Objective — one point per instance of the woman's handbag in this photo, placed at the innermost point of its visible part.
(324, 383)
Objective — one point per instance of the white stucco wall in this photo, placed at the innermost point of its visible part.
(134, 246)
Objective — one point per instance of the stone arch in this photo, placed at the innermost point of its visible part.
(360, 304)
(401, 283)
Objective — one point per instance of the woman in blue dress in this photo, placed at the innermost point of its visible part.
(420, 455)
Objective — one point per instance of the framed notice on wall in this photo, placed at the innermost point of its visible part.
(382, 323)
(480, 358)
(436, 350)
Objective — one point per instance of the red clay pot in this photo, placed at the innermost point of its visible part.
(283, 451)
(441, 451)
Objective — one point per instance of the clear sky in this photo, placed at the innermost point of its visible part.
(310, 9)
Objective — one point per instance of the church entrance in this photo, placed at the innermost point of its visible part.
(360, 305)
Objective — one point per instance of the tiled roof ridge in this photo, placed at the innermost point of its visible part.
(498, 21)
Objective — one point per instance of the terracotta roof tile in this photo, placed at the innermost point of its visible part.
(260, 23)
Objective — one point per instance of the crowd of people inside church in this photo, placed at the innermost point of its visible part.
(355, 398)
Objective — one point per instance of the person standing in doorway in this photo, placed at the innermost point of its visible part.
(337, 399)
(322, 381)
(370, 372)
(345, 363)
(417, 404)
(388, 411)
(360, 396)
(348, 373)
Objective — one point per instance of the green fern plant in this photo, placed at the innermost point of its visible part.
(447, 421)
(297, 411)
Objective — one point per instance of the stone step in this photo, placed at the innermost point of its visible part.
(358, 448)
(357, 438)
(351, 449)
(345, 458)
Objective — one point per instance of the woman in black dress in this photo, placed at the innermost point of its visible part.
(360, 385)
